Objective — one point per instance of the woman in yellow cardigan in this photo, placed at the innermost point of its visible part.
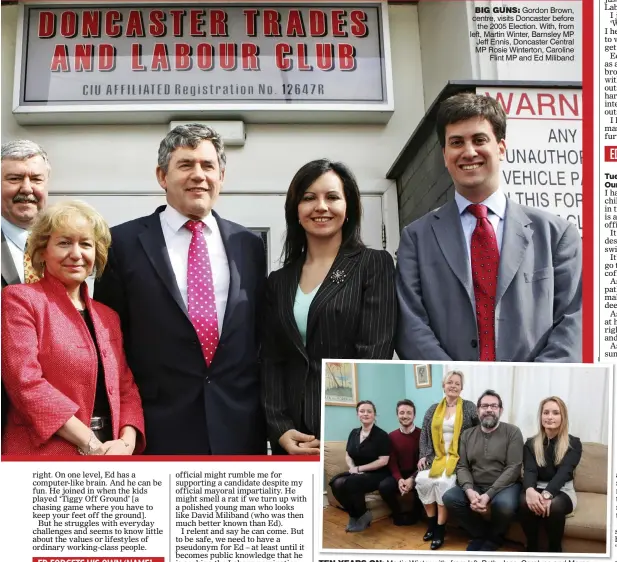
(442, 428)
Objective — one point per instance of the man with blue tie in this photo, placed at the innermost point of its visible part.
(483, 278)
(187, 285)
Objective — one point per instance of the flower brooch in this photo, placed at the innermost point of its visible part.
(338, 276)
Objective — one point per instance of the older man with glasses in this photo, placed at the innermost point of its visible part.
(488, 474)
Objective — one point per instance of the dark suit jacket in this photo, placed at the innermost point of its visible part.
(538, 313)
(9, 277)
(352, 319)
(189, 408)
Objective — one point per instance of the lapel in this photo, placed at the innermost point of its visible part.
(233, 249)
(9, 271)
(290, 277)
(344, 264)
(451, 240)
(516, 238)
(153, 242)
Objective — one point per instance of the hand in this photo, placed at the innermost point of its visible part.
(546, 504)
(422, 465)
(354, 470)
(314, 444)
(117, 447)
(291, 439)
(403, 486)
(535, 501)
(482, 503)
(474, 499)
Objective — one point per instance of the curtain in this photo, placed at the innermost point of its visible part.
(584, 388)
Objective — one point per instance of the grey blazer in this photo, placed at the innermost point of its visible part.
(538, 302)
(470, 419)
(9, 270)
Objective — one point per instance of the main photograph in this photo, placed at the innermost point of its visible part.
(173, 286)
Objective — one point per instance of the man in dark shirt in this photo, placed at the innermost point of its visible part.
(488, 472)
(403, 465)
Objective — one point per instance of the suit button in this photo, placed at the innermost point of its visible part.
(196, 343)
(474, 343)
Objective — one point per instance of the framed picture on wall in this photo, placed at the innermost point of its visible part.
(423, 376)
(341, 382)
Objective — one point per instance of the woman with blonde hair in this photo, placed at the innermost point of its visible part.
(63, 362)
(549, 460)
(442, 428)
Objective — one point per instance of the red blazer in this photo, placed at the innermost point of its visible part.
(49, 368)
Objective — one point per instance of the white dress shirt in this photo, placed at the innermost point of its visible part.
(178, 240)
(16, 239)
(496, 204)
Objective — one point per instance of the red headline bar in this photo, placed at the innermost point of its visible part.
(96, 559)
(610, 153)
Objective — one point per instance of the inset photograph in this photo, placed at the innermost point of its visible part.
(465, 457)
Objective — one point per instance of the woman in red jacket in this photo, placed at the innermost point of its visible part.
(63, 363)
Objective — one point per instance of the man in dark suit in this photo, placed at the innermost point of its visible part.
(187, 284)
(483, 278)
(25, 173)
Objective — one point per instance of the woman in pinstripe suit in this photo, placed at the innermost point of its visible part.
(334, 298)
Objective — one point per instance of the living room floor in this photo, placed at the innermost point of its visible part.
(383, 535)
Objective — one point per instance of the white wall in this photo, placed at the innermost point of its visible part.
(443, 41)
(115, 159)
(121, 158)
(448, 53)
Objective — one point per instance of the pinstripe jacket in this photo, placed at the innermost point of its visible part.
(470, 419)
(354, 318)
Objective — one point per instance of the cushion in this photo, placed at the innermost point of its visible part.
(334, 458)
(589, 518)
(590, 474)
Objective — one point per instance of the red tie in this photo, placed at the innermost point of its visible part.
(484, 268)
(200, 290)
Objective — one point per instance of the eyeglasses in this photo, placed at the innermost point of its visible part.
(490, 406)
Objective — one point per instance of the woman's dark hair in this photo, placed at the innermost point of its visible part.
(295, 237)
(365, 402)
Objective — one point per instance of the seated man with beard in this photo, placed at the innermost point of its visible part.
(488, 474)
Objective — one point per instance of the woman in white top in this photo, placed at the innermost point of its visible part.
(442, 428)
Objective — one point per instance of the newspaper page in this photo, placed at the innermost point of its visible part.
(457, 470)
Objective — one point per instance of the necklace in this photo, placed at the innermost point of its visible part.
(364, 432)
(450, 405)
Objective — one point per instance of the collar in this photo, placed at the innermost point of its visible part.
(413, 428)
(15, 234)
(176, 220)
(496, 203)
(56, 286)
(369, 430)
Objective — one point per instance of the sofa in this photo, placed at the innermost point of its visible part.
(586, 529)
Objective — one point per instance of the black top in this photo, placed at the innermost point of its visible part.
(101, 401)
(556, 476)
(376, 445)
(352, 316)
